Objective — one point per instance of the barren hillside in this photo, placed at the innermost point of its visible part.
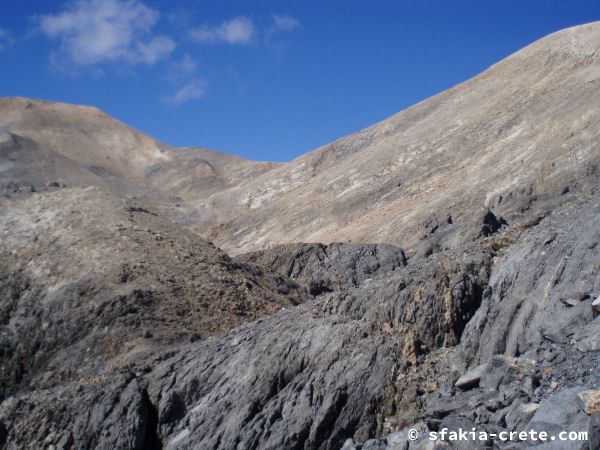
(519, 139)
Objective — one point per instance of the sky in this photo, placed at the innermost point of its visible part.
(267, 80)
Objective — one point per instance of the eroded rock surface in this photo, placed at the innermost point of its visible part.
(92, 282)
(325, 268)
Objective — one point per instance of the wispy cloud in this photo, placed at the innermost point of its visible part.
(97, 31)
(239, 30)
(280, 23)
(190, 91)
(283, 22)
(184, 75)
(6, 39)
(184, 68)
(153, 50)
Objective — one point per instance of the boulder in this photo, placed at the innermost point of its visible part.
(471, 378)
(589, 401)
(520, 414)
(588, 338)
(559, 412)
(503, 370)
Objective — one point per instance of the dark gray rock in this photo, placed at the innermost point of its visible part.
(502, 370)
(331, 371)
(326, 268)
(90, 282)
(562, 329)
(374, 444)
(349, 445)
(332, 365)
(105, 413)
(575, 299)
(471, 378)
(520, 414)
(456, 423)
(594, 432)
(524, 309)
(342, 365)
(438, 408)
(588, 338)
(559, 412)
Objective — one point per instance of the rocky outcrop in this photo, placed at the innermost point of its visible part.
(390, 354)
(326, 268)
(528, 368)
(541, 268)
(91, 282)
(104, 412)
(331, 366)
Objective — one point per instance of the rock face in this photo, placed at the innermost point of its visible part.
(325, 268)
(120, 327)
(102, 412)
(522, 377)
(332, 363)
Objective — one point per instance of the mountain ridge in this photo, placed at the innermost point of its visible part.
(386, 181)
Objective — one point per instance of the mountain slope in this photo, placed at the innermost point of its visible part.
(512, 139)
(518, 139)
(43, 142)
(91, 282)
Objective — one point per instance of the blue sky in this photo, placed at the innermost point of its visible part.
(268, 80)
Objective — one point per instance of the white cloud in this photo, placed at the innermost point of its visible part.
(193, 90)
(97, 31)
(183, 74)
(239, 30)
(156, 49)
(6, 39)
(283, 22)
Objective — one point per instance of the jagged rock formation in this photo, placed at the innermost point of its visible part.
(330, 366)
(532, 345)
(325, 268)
(122, 328)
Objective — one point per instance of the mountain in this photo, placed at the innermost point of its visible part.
(438, 270)
(513, 139)
(45, 142)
